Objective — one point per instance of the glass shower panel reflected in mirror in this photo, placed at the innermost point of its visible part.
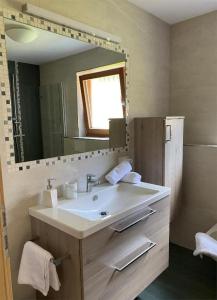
(67, 96)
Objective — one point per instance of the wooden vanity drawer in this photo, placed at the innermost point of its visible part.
(103, 251)
(130, 282)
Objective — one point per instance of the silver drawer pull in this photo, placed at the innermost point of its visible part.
(121, 265)
(133, 219)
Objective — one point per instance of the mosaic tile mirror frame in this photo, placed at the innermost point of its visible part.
(6, 106)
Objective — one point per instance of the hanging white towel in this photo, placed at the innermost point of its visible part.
(118, 172)
(54, 279)
(206, 245)
(37, 269)
(132, 177)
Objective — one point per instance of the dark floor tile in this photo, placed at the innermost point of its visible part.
(187, 278)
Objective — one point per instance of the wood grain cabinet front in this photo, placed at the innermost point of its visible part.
(119, 261)
(158, 154)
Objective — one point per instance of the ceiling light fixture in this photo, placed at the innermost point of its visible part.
(22, 35)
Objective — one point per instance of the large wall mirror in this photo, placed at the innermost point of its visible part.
(67, 96)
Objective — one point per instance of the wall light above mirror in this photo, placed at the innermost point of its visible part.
(21, 34)
(67, 96)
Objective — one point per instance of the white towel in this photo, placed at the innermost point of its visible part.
(118, 172)
(206, 245)
(37, 269)
(132, 177)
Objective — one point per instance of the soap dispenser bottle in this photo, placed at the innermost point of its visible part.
(50, 195)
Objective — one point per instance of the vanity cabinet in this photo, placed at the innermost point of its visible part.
(117, 262)
(158, 153)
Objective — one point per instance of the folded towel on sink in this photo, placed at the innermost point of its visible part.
(132, 177)
(37, 269)
(118, 172)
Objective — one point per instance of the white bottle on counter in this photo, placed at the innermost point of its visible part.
(50, 195)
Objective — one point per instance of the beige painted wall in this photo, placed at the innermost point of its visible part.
(199, 203)
(194, 94)
(147, 39)
(194, 77)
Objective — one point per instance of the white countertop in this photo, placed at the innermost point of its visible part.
(79, 227)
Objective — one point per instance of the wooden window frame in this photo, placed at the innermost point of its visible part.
(87, 116)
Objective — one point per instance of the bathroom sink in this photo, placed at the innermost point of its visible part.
(95, 210)
(106, 201)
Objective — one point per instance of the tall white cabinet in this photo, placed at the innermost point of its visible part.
(158, 153)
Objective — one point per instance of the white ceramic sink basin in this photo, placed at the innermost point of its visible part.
(102, 207)
(107, 201)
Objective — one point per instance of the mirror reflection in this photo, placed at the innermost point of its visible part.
(67, 96)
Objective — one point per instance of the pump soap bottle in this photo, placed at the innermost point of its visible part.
(50, 195)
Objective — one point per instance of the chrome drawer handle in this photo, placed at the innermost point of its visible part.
(126, 223)
(121, 265)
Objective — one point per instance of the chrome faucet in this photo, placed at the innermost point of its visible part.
(91, 181)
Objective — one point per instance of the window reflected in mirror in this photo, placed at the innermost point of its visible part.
(103, 98)
(67, 96)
